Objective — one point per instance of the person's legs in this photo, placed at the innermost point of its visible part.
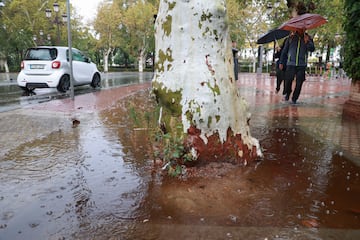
(236, 70)
(289, 77)
(283, 80)
(300, 78)
(278, 79)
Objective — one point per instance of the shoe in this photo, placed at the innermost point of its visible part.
(293, 102)
(286, 98)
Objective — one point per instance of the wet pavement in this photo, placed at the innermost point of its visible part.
(12, 97)
(318, 111)
(95, 180)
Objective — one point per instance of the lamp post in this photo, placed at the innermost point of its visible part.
(57, 21)
(72, 95)
(40, 40)
(273, 64)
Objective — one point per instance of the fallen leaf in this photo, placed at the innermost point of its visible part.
(310, 223)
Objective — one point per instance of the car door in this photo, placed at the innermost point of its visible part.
(81, 68)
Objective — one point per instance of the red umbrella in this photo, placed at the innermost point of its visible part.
(304, 22)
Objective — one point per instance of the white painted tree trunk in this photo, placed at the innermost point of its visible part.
(4, 64)
(141, 58)
(106, 59)
(193, 58)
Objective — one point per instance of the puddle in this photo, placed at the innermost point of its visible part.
(300, 182)
(96, 181)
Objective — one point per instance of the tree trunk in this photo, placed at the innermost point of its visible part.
(4, 65)
(141, 60)
(194, 81)
(106, 59)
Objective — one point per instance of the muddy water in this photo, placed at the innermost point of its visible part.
(96, 181)
(303, 189)
(84, 183)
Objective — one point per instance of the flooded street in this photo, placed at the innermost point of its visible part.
(12, 97)
(96, 180)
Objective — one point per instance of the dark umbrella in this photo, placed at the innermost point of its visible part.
(272, 35)
(304, 22)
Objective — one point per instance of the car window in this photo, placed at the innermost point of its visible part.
(77, 56)
(41, 54)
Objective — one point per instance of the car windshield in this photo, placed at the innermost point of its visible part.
(41, 54)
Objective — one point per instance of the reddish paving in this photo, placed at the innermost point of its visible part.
(319, 108)
(98, 100)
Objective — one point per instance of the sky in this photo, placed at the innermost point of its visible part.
(86, 8)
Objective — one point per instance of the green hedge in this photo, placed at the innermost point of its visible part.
(352, 46)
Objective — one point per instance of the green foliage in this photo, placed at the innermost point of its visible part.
(174, 149)
(22, 20)
(169, 144)
(129, 26)
(126, 25)
(330, 34)
(174, 153)
(138, 23)
(134, 116)
(250, 19)
(352, 47)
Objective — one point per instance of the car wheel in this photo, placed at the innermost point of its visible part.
(25, 89)
(95, 81)
(64, 83)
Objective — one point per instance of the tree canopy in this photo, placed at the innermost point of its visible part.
(131, 25)
(352, 47)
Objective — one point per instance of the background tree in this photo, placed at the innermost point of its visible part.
(194, 82)
(84, 40)
(22, 20)
(251, 19)
(331, 34)
(106, 26)
(352, 46)
(138, 21)
(352, 56)
(19, 20)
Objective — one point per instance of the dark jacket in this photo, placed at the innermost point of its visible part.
(295, 51)
(278, 56)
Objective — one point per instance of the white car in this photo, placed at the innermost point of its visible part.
(48, 67)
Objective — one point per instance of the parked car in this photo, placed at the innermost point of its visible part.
(48, 67)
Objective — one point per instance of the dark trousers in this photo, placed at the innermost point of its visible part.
(236, 69)
(280, 77)
(291, 73)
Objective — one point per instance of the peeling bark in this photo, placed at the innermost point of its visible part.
(194, 80)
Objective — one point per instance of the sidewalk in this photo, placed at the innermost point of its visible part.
(96, 182)
(318, 112)
(38, 121)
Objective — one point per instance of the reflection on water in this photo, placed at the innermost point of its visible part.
(68, 185)
(302, 188)
(12, 97)
(96, 182)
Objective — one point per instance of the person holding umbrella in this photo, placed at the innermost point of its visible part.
(297, 47)
(294, 55)
(280, 74)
